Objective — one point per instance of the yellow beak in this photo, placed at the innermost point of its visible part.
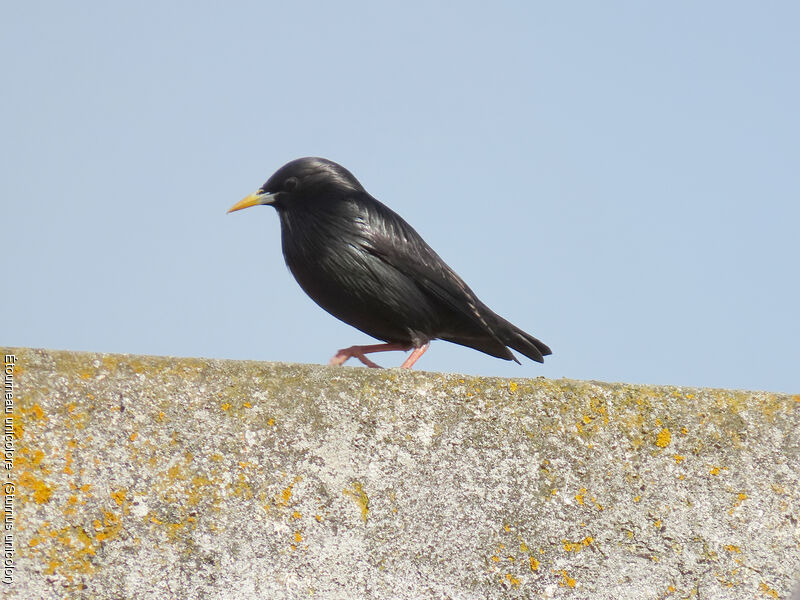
(253, 200)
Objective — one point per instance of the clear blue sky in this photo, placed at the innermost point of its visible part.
(620, 179)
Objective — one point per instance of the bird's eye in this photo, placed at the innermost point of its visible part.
(290, 184)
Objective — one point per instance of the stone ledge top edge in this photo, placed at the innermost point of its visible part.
(359, 371)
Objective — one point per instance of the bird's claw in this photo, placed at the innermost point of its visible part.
(353, 352)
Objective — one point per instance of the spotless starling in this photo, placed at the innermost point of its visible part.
(365, 265)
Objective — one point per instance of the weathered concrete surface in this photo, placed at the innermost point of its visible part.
(148, 477)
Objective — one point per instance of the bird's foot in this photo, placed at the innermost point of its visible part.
(353, 352)
(360, 353)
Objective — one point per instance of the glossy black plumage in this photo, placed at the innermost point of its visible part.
(365, 265)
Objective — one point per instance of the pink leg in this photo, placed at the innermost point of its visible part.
(414, 356)
(359, 352)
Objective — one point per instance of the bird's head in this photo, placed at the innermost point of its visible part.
(302, 181)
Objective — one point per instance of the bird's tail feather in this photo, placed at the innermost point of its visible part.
(501, 336)
(513, 337)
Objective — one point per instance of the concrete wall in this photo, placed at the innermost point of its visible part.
(150, 477)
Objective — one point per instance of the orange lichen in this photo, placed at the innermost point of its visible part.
(110, 527)
(566, 580)
(119, 496)
(664, 437)
(577, 546)
(765, 589)
(41, 491)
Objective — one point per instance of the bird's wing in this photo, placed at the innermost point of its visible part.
(387, 236)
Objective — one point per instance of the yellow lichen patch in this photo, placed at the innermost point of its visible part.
(637, 498)
(598, 406)
(132, 437)
(271, 422)
(679, 458)
(577, 546)
(664, 437)
(580, 496)
(119, 496)
(68, 462)
(225, 405)
(732, 548)
(175, 473)
(298, 537)
(512, 580)
(523, 547)
(765, 589)
(566, 580)
(534, 563)
(109, 528)
(297, 515)
(714, 471)
(285, 496)
(495, 558)
(357, 493)
(242, 489)
(29, 459)
(741, 497)
(40, 490)
(512, 386)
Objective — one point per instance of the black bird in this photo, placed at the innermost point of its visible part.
(365, 265)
